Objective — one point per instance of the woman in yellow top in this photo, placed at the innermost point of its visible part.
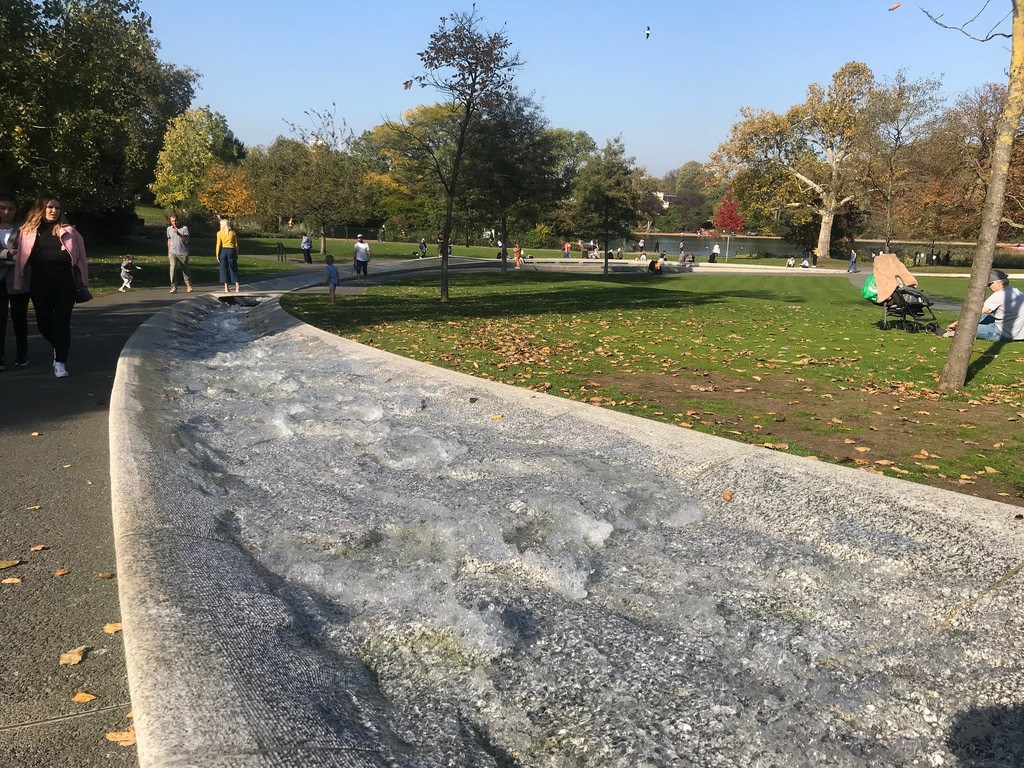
(227, 255)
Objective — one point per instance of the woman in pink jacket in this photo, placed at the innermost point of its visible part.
(50, 250)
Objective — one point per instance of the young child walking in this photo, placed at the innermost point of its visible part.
(127, 272)
(332, 277)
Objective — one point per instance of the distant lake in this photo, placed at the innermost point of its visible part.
(701, 246)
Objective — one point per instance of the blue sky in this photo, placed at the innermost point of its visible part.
(672, 97)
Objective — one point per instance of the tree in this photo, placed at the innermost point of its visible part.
(473, 70)
(194, 141)
(225, 191)
(814, 148)
(606, 199)
(314, 177)
(900, 113)
(728, 219)
(94, 138)
(954, 372)
(510, 168)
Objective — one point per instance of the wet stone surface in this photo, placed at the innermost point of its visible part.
(524, 589)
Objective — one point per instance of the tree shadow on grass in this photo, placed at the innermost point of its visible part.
(984, 359)
(492, 297)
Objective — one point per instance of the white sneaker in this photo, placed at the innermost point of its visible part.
(60, 370)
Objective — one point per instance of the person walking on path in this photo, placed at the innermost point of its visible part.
(51, 261)
(362, 257)
(177, 254)
(332, 277)
(518, 253)
(853, 261)
(306, 244)
(716, 251)
(227, 255)
(12, 302)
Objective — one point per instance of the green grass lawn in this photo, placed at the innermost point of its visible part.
(793, 363)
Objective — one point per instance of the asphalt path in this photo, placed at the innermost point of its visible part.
(56, 493)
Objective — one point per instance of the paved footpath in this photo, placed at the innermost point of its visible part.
(54, 444)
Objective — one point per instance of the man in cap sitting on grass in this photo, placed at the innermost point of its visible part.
(1002, 314)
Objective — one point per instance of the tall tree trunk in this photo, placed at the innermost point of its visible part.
(954, 372)
(828, 215)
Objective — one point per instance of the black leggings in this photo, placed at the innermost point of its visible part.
(17, 305)
(53, 297)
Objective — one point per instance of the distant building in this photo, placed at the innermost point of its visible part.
(667, 199)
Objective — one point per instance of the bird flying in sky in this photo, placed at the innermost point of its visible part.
(894, 6)
(647, 33)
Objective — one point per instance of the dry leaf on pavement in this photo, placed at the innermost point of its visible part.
(37, 548)
(9, 564)
(123, 738)
(73, 656)
(81, 697)
(11, 580)
(105, 575)
(113, 627)
(61, 572)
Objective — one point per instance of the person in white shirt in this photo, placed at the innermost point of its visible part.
(362, 257)
(1002, 314)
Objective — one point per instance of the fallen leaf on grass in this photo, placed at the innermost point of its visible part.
(73, 657)
(991, 471)
(848, 441)
(123, 738)
(113, 627)
(81, 697)
(862, 449)
(776, 446)
(885, 462)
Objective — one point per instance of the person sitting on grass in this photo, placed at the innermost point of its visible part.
(1002, 314)
(654, 266)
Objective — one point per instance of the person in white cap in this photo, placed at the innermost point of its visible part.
(1002, 314)
(362, 254)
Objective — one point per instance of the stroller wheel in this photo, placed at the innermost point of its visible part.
(912, 327)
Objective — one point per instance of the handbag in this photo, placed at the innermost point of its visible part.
(82, 292)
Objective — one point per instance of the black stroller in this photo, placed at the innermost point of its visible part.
(903, 305)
